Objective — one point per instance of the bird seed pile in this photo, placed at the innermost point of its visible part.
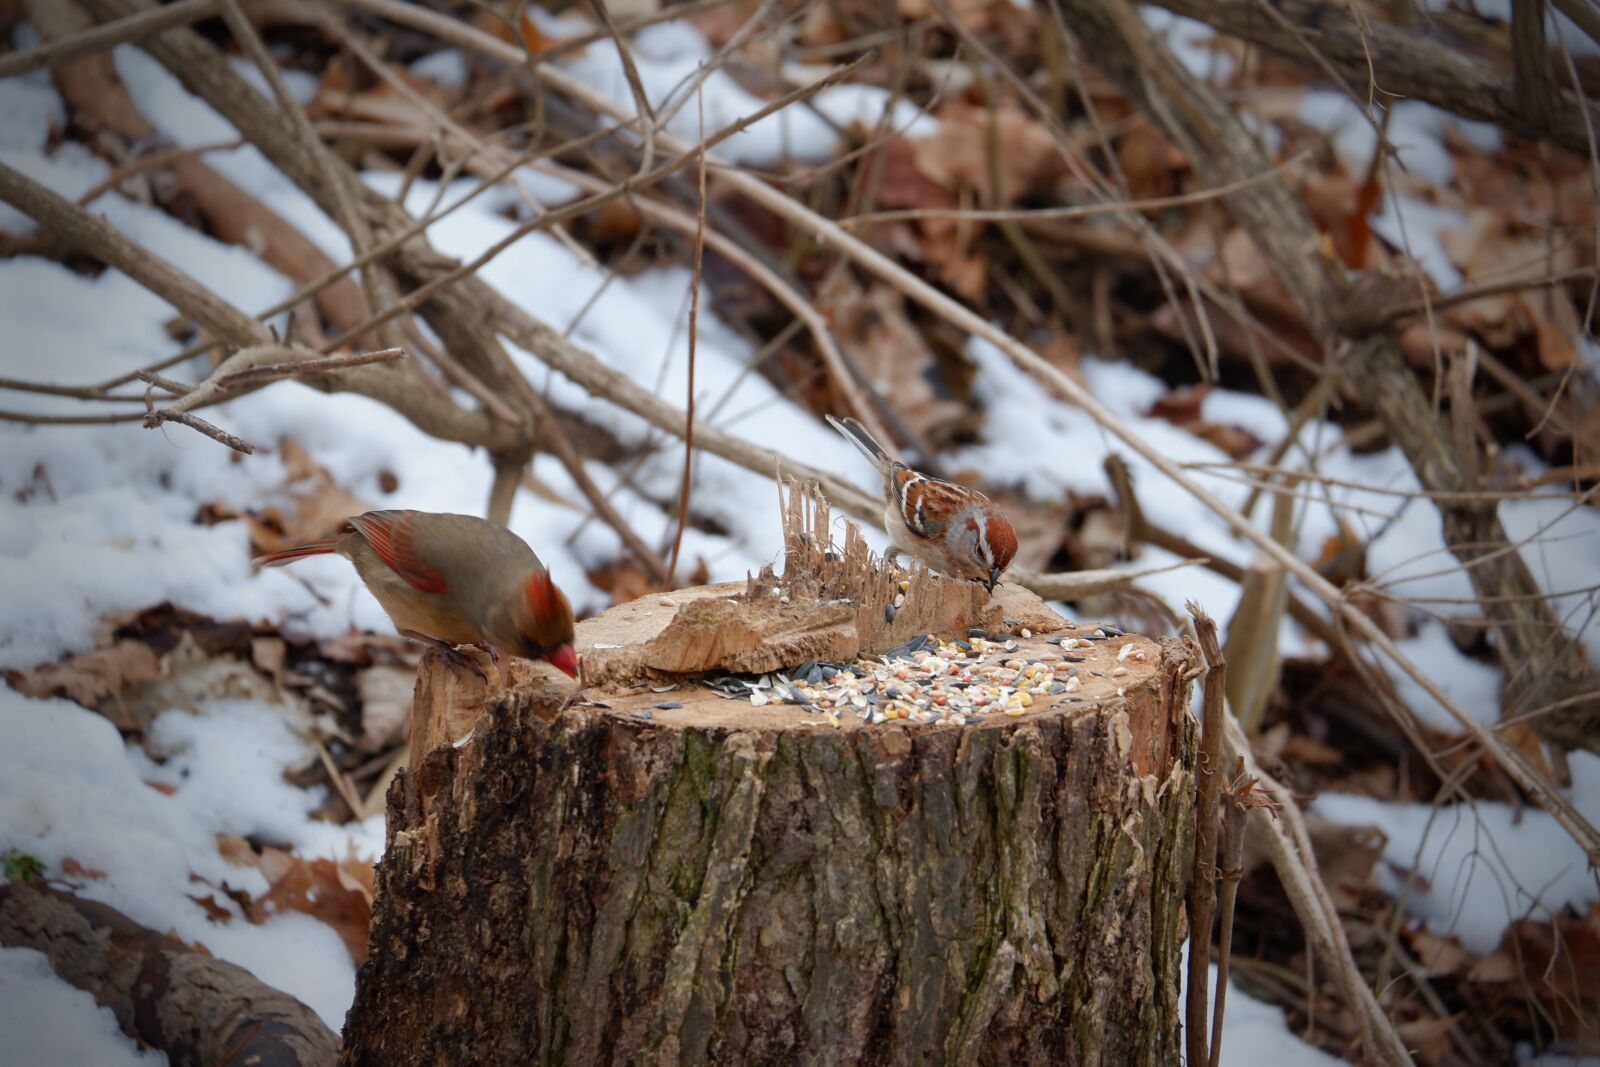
(929, 680)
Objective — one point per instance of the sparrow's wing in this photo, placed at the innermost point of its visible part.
(392, 535)
(925, 503)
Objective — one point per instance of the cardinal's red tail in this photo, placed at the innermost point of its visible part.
(289, 555)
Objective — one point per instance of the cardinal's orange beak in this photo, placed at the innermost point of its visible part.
(565, 659)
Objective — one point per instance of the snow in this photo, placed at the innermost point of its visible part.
(1254, 1033)
(1416, 132)
(1473, 685)
(302, 84)
(187, 121)
(1480, 867)
(446, 67)
(44, 1022)
(1189, 38)
(1414, 226)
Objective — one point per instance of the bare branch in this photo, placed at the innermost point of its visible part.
(434, 414)
(103, 38)
(1407, 63)
(1530, 59)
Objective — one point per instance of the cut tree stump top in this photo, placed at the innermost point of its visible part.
(647, 660)
(447, 705)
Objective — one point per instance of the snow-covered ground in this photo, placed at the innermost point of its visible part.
(107, 525)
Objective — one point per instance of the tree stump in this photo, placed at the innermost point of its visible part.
(618, 880)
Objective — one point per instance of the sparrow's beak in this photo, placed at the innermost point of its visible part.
(994, 578)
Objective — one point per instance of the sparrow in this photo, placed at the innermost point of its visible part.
(450, 580)
(957, 531)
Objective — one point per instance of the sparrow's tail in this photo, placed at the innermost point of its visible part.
(857, 435)
(289, 555)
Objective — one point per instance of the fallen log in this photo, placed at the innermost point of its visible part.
(200, 1011)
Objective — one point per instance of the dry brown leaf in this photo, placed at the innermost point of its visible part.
(385, 694)
(1557, 962)
(625, 580)
(1423, 345)
(381, 104)
(338, 893)
(192, 674)
(236, 850)
(973, 142)
(1343, 557)
(1347, 856)
(974, 16)
(1150, 161)
(1490, 247)
(270, 655)
(214, 911)
(95, 679)
(73, 869)
(1439, 956)
(1299, 748)
(875, 328)
(319, 506)
(1429, 1038)
(902, 186)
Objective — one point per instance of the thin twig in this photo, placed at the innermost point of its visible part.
(1081, 211)
(194, 422)
(258, 376)
(150, 161)
(171, 385)
(694, 333)
(630, 70)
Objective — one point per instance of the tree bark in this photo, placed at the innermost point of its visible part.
(620, 882)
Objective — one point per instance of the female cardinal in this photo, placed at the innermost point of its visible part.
(449, 580)
(955, 530)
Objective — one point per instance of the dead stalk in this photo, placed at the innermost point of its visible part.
(1202, 885)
